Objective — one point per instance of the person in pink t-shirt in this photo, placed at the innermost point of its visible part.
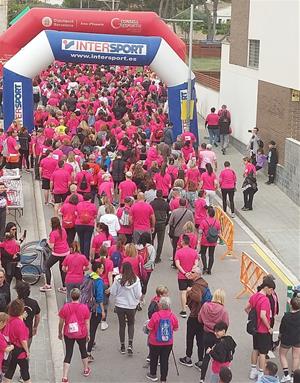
(84, 179)
(59, 185)
(212, 124)
(106, 187)
(127, 229)
(193, 174)
(186, 259)
(102, 238)
(68, 213)
(74, 265)
(190, 231)
(161, 348)
(143, 217)
(207, 241)
(18, 335)
(47, 168)
(227, 181)
(74, 323)
(73, 191)
(200, 208)
(4, 347)
(249, 185)
(127, 188)
(85, 222)
(209, 183)
(13, 155)
(60, 249)
(163, 181)
(207, 156)
(262, 339)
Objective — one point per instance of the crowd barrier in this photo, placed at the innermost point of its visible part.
(227, 232)
(251, 275)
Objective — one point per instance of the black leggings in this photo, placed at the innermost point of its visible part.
(230, 193)
(23, 364)
(209, 339)
(71, 232)
(51, 262)
(124, 314)
(24, 154)
(10, 267)
(211, 251)
(163, 353)
(94, 323)
(145, 284)
(70, 346)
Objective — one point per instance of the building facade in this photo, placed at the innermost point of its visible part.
(260, 80)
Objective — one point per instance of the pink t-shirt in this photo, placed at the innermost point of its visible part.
(193, 175)
(61, 246)
(61, 180)
(163, 183)
(207, 157)
(82, 314)
(80, 197)
(101, 239)
(109, 267)
(3, 345)
(68, 212)
(11, 144)
(187, 258)
(86, 213)
(11, 246)
(204, 225)
(200, 211)
(193, 240)
(79, 178)
(212, 119)
(249, 168)
(127, 188)
(134, 261)
(17, 332)
(141, 212)
(216, 366)
(154, 323)
(48, 166)
(208, 181)
(75, 263)
(106, 187)
(174, 203)
(227, 179)
(261, 303)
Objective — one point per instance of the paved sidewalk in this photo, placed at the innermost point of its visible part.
(275, 218)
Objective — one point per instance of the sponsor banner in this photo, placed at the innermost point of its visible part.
(18, 101)
(103, 49)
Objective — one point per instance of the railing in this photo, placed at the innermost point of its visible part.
(208, 81)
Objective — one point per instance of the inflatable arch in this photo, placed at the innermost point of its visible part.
(115, 38)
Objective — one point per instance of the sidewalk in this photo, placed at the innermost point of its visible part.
(275, 218)
(41, 365)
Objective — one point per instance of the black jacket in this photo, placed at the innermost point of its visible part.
(168, 136)
(161, 210)
(4, 297)
(290, 329)
(224, 349)
(273, 157)
(118, 170)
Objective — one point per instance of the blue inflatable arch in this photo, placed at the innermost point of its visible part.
(48, 46)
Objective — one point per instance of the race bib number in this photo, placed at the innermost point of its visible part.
(73, 327)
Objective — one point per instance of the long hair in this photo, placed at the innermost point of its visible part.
(163, 169)
(128, 276)
(55, 225)
(209, 169)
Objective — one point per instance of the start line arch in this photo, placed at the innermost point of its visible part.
(129, 42)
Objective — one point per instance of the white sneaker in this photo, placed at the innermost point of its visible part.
(286, 379)
(45, 288)
(104, 326)
(232, 215)
(253, 374)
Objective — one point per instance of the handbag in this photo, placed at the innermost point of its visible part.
(173, 228)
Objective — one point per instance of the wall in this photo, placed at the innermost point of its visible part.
(279, 58)
(239, 92)
(288, 176)
(205, 50)
(206, 99)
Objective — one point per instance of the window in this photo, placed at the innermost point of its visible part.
(220, 21)
(253, 57)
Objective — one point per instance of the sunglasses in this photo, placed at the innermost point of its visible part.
(15, 229)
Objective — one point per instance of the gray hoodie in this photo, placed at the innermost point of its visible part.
(127, 296)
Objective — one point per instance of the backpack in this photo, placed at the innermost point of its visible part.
(159, 134)
(87, 293)
(116, 258)
(68, 221)
(164, 331)
(252, 322)
(85, 217)
(224, 117)
(206, 296)
(83, 184)
(212, 234)
(124, 220)
(3, 305)
(73, 329)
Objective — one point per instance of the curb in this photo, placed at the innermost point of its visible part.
(56, 346)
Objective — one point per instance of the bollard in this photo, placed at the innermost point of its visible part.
(289, 296)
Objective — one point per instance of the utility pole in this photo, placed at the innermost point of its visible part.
(80, 3)
(189, 88)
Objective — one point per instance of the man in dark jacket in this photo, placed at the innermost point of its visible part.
(118, 170)
(161, 210)
(272, 162)
(194, 329)
(168, 134)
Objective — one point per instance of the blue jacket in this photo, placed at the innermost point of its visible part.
(99, 290)
(268, 379)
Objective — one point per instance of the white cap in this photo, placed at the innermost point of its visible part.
(128, 174)
(209, 146)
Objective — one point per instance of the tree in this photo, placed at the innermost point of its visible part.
(17, 6)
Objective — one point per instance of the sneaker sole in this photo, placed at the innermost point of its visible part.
(187, 365)
(197, 367)
(152, 379)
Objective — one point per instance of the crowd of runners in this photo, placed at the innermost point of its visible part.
(120, 184)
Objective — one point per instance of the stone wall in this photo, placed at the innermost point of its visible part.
(288, 175)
